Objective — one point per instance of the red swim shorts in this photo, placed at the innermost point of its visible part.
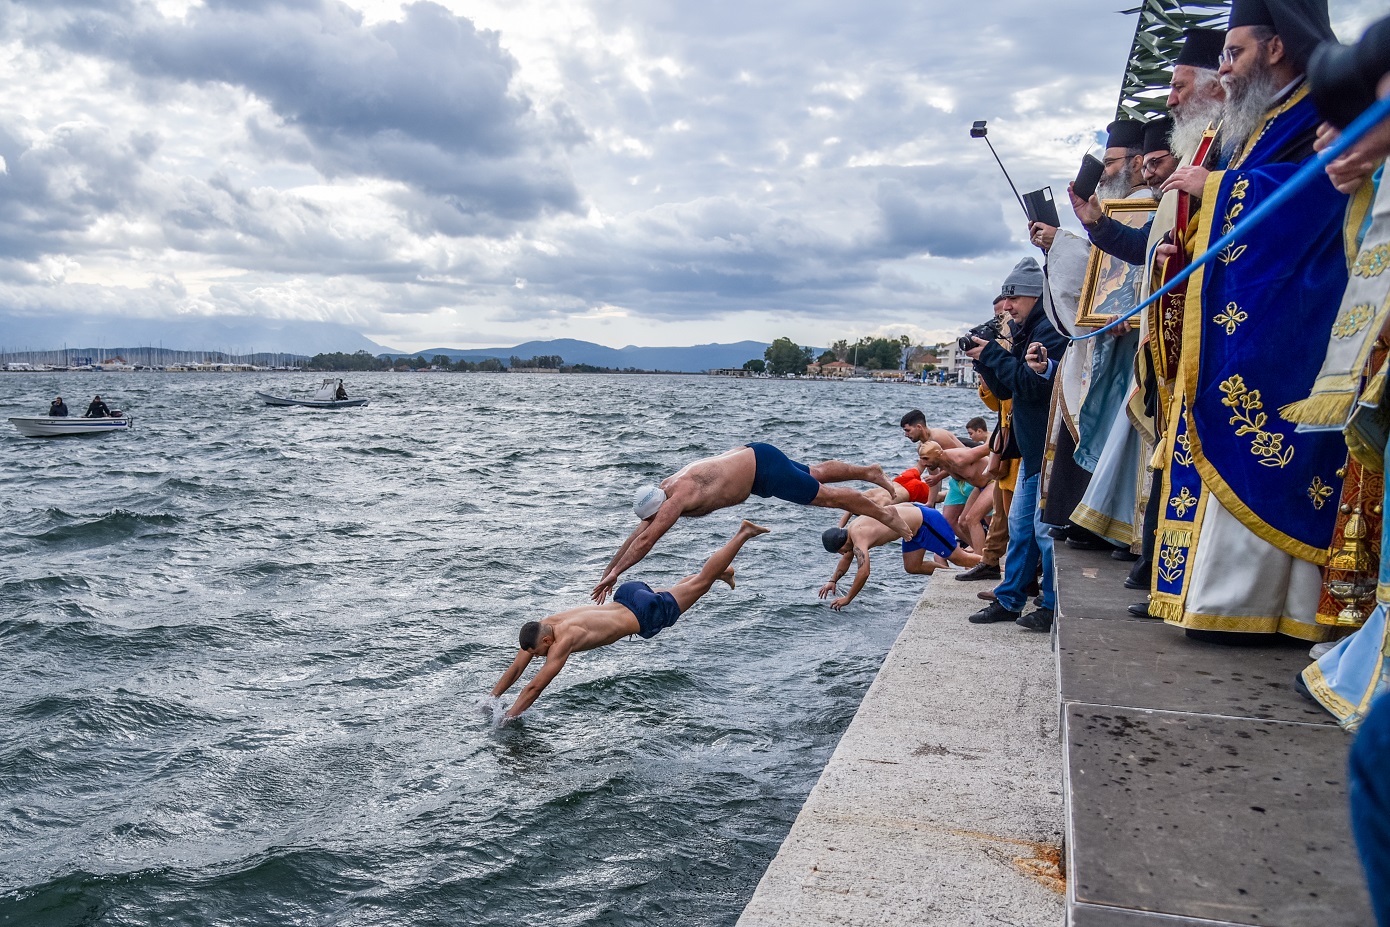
(917, 491)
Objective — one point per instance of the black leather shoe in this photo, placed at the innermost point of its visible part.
(1123, 555)
(980, 570)
(993, 612)
(1089, 544)
(1139, 610)
(1040, 620)
(1140, 575)
(1302, 687)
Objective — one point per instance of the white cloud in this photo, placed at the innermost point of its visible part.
(456, 173)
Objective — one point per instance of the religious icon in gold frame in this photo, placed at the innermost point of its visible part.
(1111, 286)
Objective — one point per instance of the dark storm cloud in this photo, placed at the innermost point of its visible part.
(426, 100)
(53, 191)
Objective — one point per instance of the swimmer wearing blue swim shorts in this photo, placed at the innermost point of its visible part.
(720, 482)
(931, 533)
(636, 609)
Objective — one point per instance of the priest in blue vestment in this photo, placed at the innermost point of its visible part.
(1249, 504)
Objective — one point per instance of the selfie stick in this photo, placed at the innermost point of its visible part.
(1362, 125)
(979, 130)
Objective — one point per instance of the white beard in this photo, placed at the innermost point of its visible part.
(1190, 124)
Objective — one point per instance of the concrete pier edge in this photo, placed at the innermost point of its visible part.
(942, 803)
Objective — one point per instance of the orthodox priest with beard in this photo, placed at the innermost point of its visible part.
(1245, 521)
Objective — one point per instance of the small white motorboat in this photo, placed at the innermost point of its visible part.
(52, 426)
(325, 397)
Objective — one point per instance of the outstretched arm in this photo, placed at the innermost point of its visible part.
(636, 547)
(861, 576)
(841, 569)
(554, 662)
(512, 674)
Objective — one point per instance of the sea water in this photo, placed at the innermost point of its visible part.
(245, 651)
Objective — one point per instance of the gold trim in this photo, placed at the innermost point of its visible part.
(1255, 624)
(1317, 684)
(1191, 352)
(1091, 286)
(1108, 527)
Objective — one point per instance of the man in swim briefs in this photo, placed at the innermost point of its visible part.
(636, 609)
(930, 533)
(715, 483)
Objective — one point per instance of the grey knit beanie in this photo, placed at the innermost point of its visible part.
(1026, 279)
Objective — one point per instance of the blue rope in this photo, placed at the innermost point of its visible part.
(1309, 172)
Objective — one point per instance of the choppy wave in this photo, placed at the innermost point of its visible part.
(248, 652)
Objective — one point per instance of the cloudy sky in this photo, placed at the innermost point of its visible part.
(465, 173)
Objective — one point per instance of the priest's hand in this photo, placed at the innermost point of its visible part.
(1042, 235)
(1088, 211)
(1164, 253)
(1357, 163)
(1189, 179)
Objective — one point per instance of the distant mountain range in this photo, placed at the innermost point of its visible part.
(691, 359)
(228, 334)
(246, 335)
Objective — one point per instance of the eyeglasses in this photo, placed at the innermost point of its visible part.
(1109, 161)
(1152, 164)
(1230, 53)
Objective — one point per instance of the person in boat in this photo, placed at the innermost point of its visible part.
(98, 409)
(715, 483)
(635, 609)
(341, 394)
(58, 408)
(931, 533)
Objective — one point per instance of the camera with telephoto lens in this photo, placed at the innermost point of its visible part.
(989, 331)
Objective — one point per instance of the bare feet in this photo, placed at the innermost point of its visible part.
(752, 530)
(892, 519)
(728, 577)
(879, 478)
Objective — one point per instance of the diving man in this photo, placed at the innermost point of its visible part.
(931, 532)
(715, 483)
(635, 609)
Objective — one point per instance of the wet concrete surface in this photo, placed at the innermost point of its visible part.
(1201, 787)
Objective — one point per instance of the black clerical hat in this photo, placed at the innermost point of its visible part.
(1300, 24)
(1156, 134)
(1201, 48)
(1124, 133)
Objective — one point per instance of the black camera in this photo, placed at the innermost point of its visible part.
(989, 331)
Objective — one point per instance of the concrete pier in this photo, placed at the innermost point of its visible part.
(1193, 784)
(942, 803)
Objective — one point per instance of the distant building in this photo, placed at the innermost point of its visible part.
(838, 369)
(730, 372)
(959, 367)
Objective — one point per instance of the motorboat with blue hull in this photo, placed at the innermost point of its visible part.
(330, 395)
(53, 426)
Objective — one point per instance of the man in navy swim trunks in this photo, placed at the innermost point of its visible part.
(716, 483)
(931, 534)
(636, 609)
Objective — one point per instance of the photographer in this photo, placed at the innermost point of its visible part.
(1023, 373)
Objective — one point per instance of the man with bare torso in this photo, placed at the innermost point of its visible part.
(966, 465)
(930, 533)
(720, 482)
(636, 609)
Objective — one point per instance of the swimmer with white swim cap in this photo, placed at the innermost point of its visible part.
(716, 483)
(647, 501)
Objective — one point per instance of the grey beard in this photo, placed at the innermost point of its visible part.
(1117, 187)
(1189, 126)
(1246, 103)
